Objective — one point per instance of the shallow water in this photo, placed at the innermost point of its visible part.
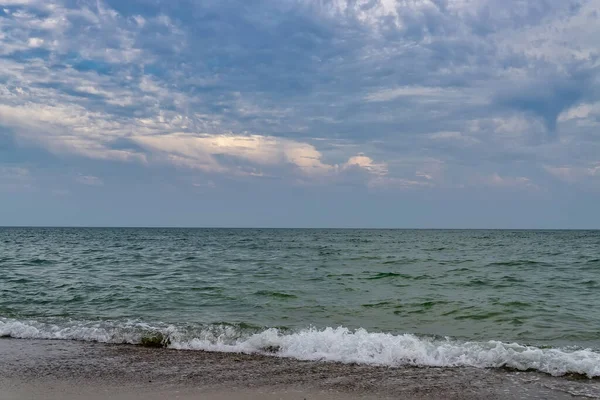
(463, 297)
(47, 369)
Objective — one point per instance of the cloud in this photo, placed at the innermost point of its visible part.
(367, 163)
(549, 97)
(497, 181)
(398, 183)
(208, 184)
(574, 174)
(89, 180)
(305, 89)
(65, 129)
(423, 94)
(580, 111)
(453, 136)
(35, 42)
(219, 153)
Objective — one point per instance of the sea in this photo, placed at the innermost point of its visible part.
(523, 300)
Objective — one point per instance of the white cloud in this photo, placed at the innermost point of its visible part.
(410, 91)
(202, 152)
(67, 129)
(424, 175)
(563, 37)
(574, 174)
(367, 163)
(453, 136)
(384, 182)
(89, 180)
(208, 184)
(21, 2)
(495, 180)
(74, 129)
(580, 111)
(35, 42)
(141, 21)
(148, 85)
(366, 11)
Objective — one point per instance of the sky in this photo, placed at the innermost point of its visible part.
(300, 113)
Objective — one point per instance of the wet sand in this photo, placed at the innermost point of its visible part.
(38, 369)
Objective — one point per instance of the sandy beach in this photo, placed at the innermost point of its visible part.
(38, 369)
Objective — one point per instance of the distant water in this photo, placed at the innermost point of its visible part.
(518, 299)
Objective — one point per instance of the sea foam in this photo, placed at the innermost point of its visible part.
(329, 344)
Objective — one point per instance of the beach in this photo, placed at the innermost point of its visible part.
(45, 369)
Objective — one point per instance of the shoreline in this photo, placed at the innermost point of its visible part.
(46, 369)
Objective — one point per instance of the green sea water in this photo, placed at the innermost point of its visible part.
(209, 287)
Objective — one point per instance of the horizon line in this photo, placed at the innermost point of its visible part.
(289, 228)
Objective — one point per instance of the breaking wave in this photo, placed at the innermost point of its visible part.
(329, 344)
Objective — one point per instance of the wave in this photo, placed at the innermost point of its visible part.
(515, 263)
(277, 295)
(329, 344)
